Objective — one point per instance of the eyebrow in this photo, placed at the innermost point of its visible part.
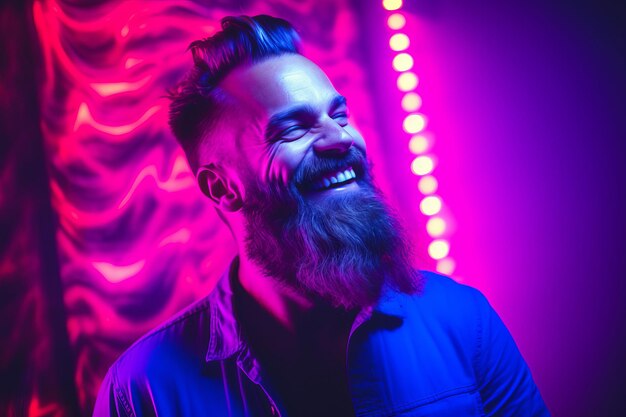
(300, 112)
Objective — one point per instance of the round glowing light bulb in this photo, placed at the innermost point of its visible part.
(410, 101)
(396, 21)
(392, 4)
(422, 165)
(399, 42)
(407, 81)
(446, 266)
(402, 62)
(414, 123)
(438, 249)
(430, 205)
(418, 144)
(427, 185)
(436, 226)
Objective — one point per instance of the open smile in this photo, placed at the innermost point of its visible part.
(335, 180)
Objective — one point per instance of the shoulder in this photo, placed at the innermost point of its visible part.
(451, 310)
(442, 294)
(180, 342)
(160, 363)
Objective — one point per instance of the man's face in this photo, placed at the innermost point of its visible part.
(313, 219)
(292, 112)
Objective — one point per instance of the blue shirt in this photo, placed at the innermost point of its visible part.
(444, 352)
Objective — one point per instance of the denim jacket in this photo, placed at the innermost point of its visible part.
(444, 352)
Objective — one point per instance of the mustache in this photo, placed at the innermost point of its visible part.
(316, 167)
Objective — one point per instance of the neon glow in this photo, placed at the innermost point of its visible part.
(118, 273)
(411, 102)
(84, 117)
(436, 226)
(137, 240)
(407, 81)
(427, 185)
(392, 4)
(402, 62)
(446, 266)
(422, 165)
(438, 249)
(430, 205)
(414, 123)
(396, 21)
(399, 42)
(109, 89)
(419, 144)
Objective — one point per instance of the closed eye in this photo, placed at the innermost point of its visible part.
(339, 110)
(293, 132)
(341, 118)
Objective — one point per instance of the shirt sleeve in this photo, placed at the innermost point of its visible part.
(505, 383)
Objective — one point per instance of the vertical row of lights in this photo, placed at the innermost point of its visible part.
(420, 142)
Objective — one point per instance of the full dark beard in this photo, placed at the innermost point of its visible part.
(343, 248)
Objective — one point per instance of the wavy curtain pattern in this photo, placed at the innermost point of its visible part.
(136, 240)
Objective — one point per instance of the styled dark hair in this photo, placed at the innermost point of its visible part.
(197, 103)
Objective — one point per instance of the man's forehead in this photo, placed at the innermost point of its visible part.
(278, 83)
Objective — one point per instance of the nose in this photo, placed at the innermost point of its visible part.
(333, 140)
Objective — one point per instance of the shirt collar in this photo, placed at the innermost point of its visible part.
(225, 336)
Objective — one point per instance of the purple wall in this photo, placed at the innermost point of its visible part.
(526, 101)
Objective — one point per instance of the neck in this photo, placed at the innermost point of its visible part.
(282, 303)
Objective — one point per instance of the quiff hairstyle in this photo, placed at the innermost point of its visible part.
(197, 103)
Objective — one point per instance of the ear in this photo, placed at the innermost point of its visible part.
(219, 187)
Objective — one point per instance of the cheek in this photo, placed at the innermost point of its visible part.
(359, 142)
(283, 162)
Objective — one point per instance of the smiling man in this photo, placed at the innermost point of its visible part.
(321, 313)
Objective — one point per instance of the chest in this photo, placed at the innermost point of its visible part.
(314, 388)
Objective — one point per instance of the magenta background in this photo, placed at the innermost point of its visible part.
(526, 104)
(526, 101)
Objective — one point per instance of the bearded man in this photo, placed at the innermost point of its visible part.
(322, 312)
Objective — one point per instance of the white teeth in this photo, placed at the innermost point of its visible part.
(337, 178)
